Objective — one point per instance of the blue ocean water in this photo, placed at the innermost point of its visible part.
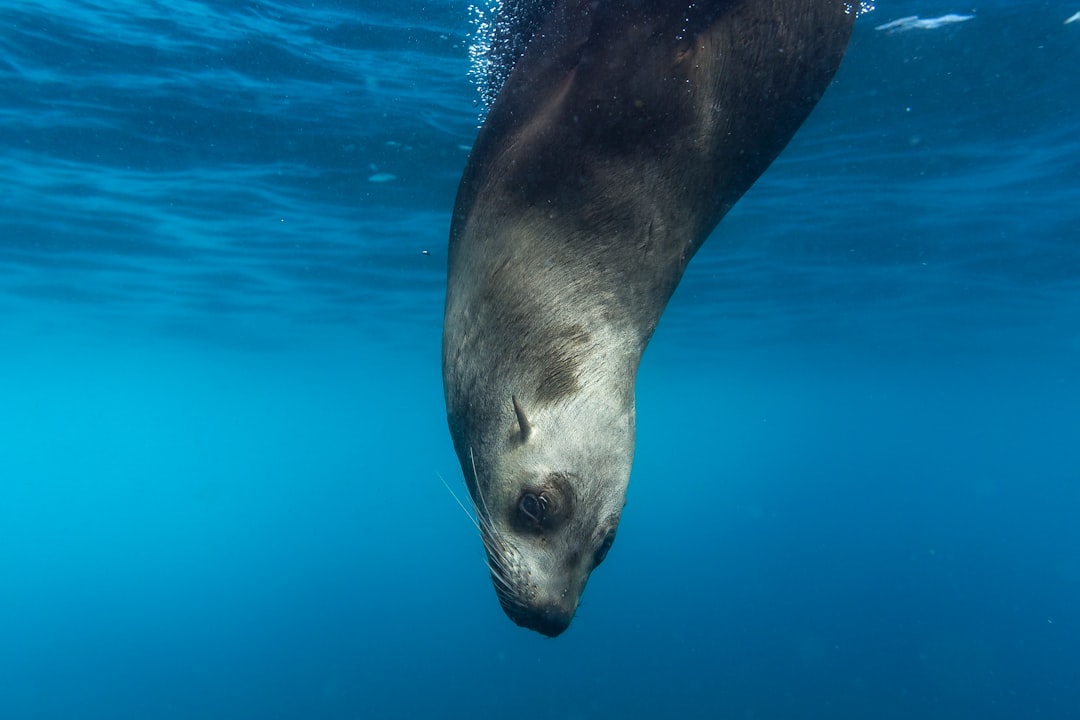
(222, 255)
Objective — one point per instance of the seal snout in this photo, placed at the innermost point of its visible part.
(551, 620)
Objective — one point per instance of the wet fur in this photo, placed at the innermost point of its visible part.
(619, 140)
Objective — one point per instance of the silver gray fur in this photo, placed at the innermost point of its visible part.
(622, 136)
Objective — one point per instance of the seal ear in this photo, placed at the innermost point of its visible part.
(524, 428)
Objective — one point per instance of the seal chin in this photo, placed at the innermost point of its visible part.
(551, 619)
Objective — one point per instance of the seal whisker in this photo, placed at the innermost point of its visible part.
(476, 484)
(496, 550)
(494, 557)
(483, 512)
(494, 546)
(460, 504)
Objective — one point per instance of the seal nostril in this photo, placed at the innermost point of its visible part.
(553, 626)
(551, 621)
(550, 618)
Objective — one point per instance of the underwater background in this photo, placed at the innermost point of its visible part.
(222, 261)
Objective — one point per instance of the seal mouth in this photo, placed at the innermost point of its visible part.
(549, 620)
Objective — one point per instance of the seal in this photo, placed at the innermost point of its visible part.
(620, 138)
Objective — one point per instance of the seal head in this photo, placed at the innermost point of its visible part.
(621, 136)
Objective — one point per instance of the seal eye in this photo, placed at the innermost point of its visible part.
(602, 551)
(532, 507)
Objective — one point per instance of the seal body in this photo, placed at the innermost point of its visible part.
(623, 134)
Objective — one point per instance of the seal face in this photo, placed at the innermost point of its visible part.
(622, 135)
